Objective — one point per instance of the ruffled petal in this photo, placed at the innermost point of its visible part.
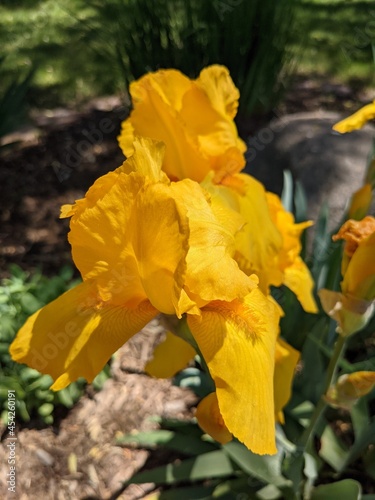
(193, 118)
(237, 341)
(154, 96)
(147, 160)
(131, 233)
(217, 84)
(259, 242)
(170, 356)
(211, 273)
(160, 244)
(76, 334)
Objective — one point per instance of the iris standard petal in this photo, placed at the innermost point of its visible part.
(76, 334)
(217, 84)
(182, 158)
(194, 118)
(237, 341)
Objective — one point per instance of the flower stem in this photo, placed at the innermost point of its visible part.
(322, 404)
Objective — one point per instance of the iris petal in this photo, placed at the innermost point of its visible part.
(170, 356)
(237, 341)
(75, 335)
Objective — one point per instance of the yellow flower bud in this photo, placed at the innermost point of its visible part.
(358, 265)
(349, 388)
(354, 306)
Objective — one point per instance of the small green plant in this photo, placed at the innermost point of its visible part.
(21, 295)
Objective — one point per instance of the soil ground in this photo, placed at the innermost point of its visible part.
(54, 162)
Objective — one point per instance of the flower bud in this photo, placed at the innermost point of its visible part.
(349, 388)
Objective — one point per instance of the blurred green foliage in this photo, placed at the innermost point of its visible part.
(339, 36)
(13, 102)
(84, 49)
(99, 47)
(250, 38)
(21, 295)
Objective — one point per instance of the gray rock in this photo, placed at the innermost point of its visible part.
(329, 165)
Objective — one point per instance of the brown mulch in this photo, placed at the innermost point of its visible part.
(55, 161)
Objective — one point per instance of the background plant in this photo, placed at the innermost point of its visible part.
(115, 41)
(13, 102)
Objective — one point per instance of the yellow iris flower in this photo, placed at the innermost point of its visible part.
(194, 118)
(354, 306)
(356, 120)
(145, 245)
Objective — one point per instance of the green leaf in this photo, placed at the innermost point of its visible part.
(264, 467)
(22, 411)
(196, 380)
(188, 427)
(65, 398)
(369, 463)
(362, 440)
(332, 450)
(348, 489)
(29, 303)
(12, 383)
(231, 489)
(101, 378)
(187, 493)
(287, 194)
(360, 417)
(183, 443)
(300, 202)
(45, 410)
(311, 473)
(210, 465)
(269, 492)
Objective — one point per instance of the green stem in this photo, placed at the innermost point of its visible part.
(183, 331)
(180, 328)
(322, 405)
